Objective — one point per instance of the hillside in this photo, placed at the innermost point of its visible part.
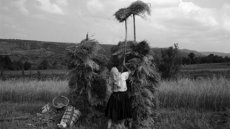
(182, 52)
(55, 52)
(41, 48)
(37, 51)
(34, 51)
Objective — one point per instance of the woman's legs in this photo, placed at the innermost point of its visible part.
(123, 123)
(109, 124)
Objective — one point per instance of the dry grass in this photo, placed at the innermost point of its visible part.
(31, 90)
(213, 94)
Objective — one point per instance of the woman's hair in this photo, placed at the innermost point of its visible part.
(114, 71)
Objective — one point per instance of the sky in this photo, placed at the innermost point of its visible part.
(202, 25)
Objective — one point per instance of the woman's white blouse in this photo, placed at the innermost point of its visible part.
(119, 81)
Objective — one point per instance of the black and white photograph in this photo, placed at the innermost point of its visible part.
(114, 64)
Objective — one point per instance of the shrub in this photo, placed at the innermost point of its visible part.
(169, 63)
(44, 64)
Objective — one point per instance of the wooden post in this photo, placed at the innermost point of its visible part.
(134, 27)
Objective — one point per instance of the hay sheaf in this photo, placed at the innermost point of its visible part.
(139, 8)
(122, 14)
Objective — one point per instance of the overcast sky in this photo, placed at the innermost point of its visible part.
(202, 25)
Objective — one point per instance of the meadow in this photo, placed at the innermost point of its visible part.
(184, 103)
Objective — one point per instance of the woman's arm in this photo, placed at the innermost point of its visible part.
(128, 70)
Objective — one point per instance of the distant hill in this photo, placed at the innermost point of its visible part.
(187, 51)
(55, 52)
(36, 51)
(182, 52)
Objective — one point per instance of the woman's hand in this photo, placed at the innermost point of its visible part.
(126, 68)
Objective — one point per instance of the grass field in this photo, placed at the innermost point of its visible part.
(212, 94)
(31, 90)
(184, 104)
(36, 74)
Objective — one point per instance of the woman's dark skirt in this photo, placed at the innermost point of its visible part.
(118, 106)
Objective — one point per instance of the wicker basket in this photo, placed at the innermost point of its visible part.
(60, 102)
(71, 115)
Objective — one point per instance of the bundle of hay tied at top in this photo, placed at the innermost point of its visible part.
(139, 8)
(122, 14)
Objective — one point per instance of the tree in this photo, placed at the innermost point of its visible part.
(44, 64)
(5, 63)
(226, 59)
(191, 56)
(2, 65)
(17, 65)
(169, 63)
(23, 59)
(185, 61)
(138, 8)
(27, 65)
(54, 64)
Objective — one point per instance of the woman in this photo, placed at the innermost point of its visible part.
(118, 107)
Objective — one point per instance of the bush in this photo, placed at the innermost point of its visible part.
(169, 63)
(27, 65)
(43, 65)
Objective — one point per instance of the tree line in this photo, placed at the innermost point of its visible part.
(168, 63)
(211, 58)
(6, 63)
